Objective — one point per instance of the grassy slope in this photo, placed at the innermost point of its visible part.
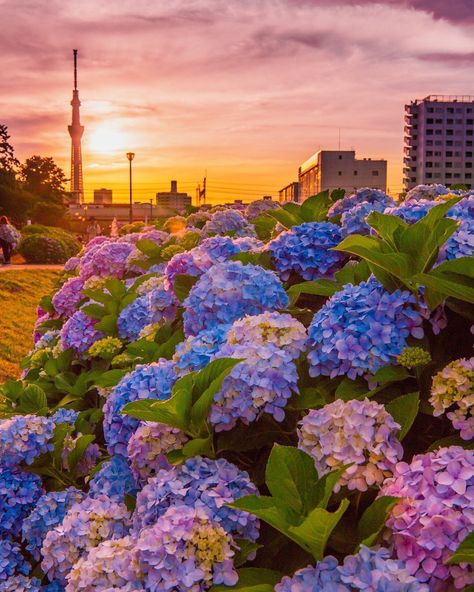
(20, 292)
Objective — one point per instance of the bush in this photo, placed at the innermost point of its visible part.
(46, 244)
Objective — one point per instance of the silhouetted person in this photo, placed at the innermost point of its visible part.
(93, 229)
(9, 238)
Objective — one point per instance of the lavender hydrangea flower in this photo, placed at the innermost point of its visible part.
(360, 329)
(185, 550)
(453, 388)
(353, 221)
(112, 565)
(358, 432)
(203, 484)
(12, 562)
(147, 381)
(114, 479)
(464, 209)
(109, 260)
(198, 219)
(427, 192)
(21, 583)
(67, 299)
(262, 383)
(371, 196)
(72, 264)
(227, 292)
(259, 206)
(48, 513)
(324, 577)
(86, 525)
(196, 351)
(19, 492)
(64, 415)
(305, 250)
(148, 446)
(225, 221)
(23, 438)
(79, 333)
(412, 211)
(460, 243)
(434, 514)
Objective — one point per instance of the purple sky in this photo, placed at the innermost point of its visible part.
(246, 89)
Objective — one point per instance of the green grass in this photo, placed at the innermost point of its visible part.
(20, 293)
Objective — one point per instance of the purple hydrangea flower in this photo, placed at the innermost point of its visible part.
(460, 243)
(229, 291)
(12, 562)
(67, 299)
(426, 192)
(259, 206)
(306, 250)
(353, 221)
(86, 525)
(114, 479)
(360, 329)
(203, 484)
(185, 550)
(148, 446)
(19, 492)
(359, 432)
(88, 459)
(324, 577)
(464, 209)
(412, 211)
(434, 514)
(72, 264)
(196, 351)
(147, 381)
(79, 333)
(48, 513)
(109, 260)
(229, 221)
(21, 583)
(24, 437)
(371, 196)
(198, 219)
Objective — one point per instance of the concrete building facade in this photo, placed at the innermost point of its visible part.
(103, 196)
(438, 141)
(172, 199)
(340, 169)
(290, 193)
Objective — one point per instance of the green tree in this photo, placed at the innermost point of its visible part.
(42, 177)
(8, 162)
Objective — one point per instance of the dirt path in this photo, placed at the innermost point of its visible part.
(22, 267)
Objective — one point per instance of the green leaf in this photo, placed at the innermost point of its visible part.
(465, 552)
(391, 374)
(315, 208)
(33, 399)
(47, 304)
(173, 412)
(95, 311)
(285, 218)
(404, 410)
(167, 349)
(325, 486)
(198, 447)
(314, 287)
(388, 227)
(252, 579)
(451, 441)
(308, 398)
(291, 479)
(374, 518)
(11, 389)
(315, 530)
(182, 285)
(351, 389)
(108, 324)
(246, 548)
(337, 194)
(78, 451)
(353, 272)
(148, 247)
(110, 378)
(263, 507)
(116, 288)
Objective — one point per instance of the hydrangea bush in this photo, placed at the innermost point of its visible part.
(273, 397)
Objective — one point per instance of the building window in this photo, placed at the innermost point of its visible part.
(429, 142)
(437, 165)
(438, 143)
(375, 173)
(430, 109)
(438, 132)
(339, 173)
(340, 156)
(450, 110)
(429, 165)
(468, 165)
(449, 132)
(469, 143)
(449, 153)
(458, 121)
(469, 110)
(469, 121)
(469, 154)
(355, 173)
(469, 133)
(449, 165)
(468, 175)
(437, 175)
(429, 132)
(429, 176)
(449, 175)
(457, 176)
(429, 120)
(437, 153)
(449, 120)
(449, 142)
(429, 153)
(438, 121)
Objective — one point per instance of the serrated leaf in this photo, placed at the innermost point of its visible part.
(315, 208)
(33, 399)
(374, 518)
(404, 410)
(116, 288)
(391, 374)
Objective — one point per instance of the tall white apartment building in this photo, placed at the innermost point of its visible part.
(340, 169)
(438, 138)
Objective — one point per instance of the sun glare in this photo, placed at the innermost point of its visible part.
(107, 138)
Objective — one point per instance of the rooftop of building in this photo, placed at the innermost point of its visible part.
(444, 99)
(312, 160)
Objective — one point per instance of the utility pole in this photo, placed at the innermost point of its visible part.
(130, 156)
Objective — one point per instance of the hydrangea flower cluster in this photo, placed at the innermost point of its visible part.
(12, 562)
(203, 484)
(371, 196)
(259, 206)
(428, 192)
(79, 333)
(190, 239)
(227, 292)
(147, 381)
(198, 219)
(358, 432)
(460, 243)
(453, 388)
(86, 525)
(412, 211)
(434, 514)
(353, 221)
(23, 438)
(464, 209)
(360, 329)
(228, 221)
(19, 492)
(305, 250)
(171, 250)
(48, 513)
(414, 357)
(23, 583)
(185, 550)
(112, 565)
(370, 570)
(67, 299)
(196, 351)
(64, 415)
(148, 446)
(109, 260)
(106, 348)
(114, 479)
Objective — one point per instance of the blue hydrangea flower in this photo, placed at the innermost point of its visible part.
(199, 483)
(263, 383)
(23, 583)
(257, 207)
(368, 195)
(196, 351)
(360, 329)
(49, 511)
(147, 381)
(12, 562)
(114, 479)
(353, 221)
(24, 437)
(460, 243)
(229, 291)
(427, 192)
(79, 333)
(411, 211)
(323, 577)
(305, 250)
(463, 210)
(19, 492)
(229, 220)
(109, 260)
(86, 525)
(64, 415)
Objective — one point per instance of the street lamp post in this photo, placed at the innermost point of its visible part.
(130, 156)
(151, 210)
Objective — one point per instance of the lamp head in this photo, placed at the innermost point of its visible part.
(130, 155)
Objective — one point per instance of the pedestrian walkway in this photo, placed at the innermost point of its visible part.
(26, 266)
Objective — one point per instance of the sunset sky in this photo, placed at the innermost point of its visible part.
(247, 89)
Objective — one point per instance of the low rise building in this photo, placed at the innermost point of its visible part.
(172, 199)
(340, 169)
(290, 193)
(103, 196)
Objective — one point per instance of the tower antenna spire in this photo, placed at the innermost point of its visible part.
(75, 68)
(75, 131)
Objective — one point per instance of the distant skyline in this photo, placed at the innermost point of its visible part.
(245, 89)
